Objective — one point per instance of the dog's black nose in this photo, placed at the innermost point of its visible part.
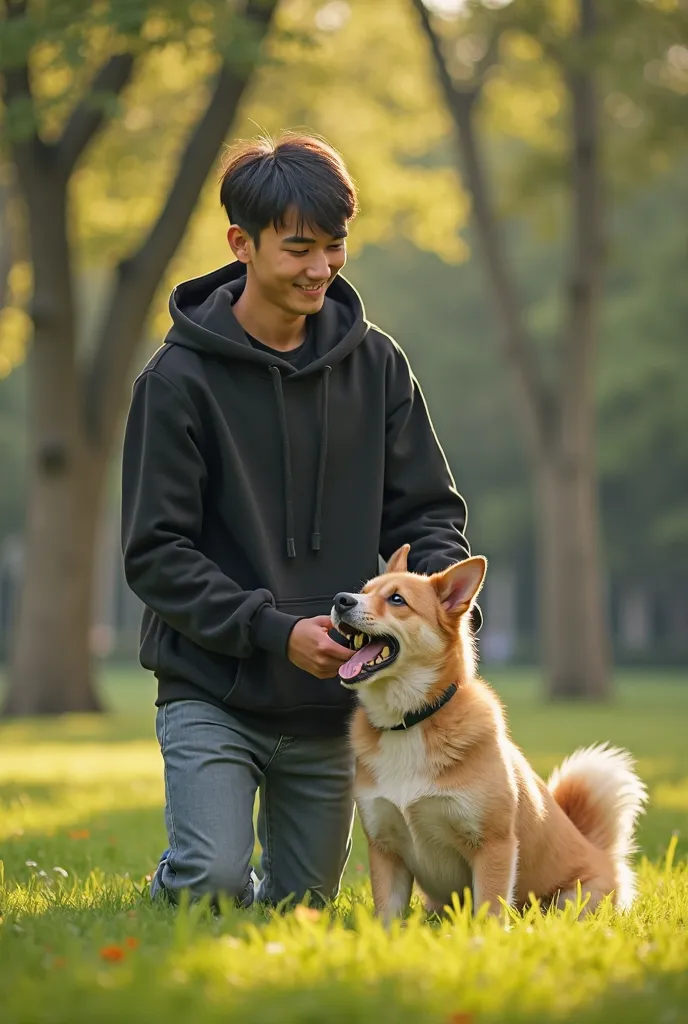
(345, 602)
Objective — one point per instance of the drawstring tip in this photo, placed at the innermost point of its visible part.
(315, 542)
(291, 548)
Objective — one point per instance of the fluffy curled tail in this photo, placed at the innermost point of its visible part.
(598, 789)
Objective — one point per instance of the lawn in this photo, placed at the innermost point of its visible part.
(81, 826)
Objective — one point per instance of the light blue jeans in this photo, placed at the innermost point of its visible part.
(214, 766)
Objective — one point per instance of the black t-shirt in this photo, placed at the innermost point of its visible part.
(298, 357)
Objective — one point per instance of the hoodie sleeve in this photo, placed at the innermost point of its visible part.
(421, 504)
(163, 478)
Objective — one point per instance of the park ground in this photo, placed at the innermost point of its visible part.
(81, 827)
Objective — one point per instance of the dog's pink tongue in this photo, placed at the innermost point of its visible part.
(353, 666)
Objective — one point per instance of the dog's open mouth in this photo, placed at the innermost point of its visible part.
(372, 653)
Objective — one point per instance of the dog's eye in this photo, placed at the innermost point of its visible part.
(396, 599)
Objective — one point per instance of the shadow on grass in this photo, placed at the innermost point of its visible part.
(124, 842)
(117, 842)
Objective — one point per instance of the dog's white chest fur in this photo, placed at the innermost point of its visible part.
(409, 815)
(398, 769)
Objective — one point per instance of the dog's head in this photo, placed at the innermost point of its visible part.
(406, 627)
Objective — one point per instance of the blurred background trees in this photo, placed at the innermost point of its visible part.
(65, 68)
(93, 238)
(553, 68)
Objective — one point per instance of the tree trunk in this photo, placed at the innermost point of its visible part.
(572, 605)
(75, 407)
(558, 421)
(52, 667)
(573, 624)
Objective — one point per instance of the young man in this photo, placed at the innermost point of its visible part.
(275, 445)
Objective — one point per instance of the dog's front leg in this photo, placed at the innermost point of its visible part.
(494, 872)
(391, 883)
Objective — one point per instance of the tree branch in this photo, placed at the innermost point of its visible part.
(6, 245)
(90, 115)
(482, 68)
(139, 276)
(27, 146)
(584, 282)
(13, 240)
(535, 401)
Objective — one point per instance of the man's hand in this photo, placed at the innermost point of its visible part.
(310, 648)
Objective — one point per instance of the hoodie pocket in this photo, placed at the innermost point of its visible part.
(268, 683)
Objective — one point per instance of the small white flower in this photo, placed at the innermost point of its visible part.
(31, 864)
(60, 871)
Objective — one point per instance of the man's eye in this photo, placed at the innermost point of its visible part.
(396, 599)
(297, 252)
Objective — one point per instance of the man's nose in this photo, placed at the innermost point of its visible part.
(344, 603)
(319, 269)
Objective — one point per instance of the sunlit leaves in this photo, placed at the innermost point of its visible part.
(382, 114)
(640, 62)
(359, 74)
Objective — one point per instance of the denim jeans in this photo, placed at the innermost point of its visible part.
(214, 766)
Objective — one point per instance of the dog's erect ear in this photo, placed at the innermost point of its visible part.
(458, 586)
(398, 561)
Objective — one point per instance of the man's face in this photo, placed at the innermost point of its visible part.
(292, 267)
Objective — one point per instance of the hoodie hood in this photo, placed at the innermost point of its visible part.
(203, 319)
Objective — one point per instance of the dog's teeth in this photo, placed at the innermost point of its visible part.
(358, 641)
(386, 653)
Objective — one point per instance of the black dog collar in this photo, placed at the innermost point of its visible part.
(428, 710)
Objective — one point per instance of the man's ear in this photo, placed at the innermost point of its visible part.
(458, 586)
(399, 560)
(240, 243)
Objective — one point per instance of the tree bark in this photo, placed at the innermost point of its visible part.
(75, 407)
(571, 603)
(558, 421)
(574, 612)
(6, 245)
(51, 668)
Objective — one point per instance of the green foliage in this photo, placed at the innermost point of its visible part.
(119, 186)
(81, 798)
(643, 383)
(359, 73)
(639, 59)
(440, 316)
(61, 63)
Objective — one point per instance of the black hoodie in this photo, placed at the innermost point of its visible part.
(253, 491)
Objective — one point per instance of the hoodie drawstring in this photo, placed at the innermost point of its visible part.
(286, 459)
(322, 459)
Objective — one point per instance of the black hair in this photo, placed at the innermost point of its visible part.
(263, 180)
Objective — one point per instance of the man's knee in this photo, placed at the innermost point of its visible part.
(211, 875)
(223, 878)
(316, 893)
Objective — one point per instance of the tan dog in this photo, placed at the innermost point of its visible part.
(444, 795)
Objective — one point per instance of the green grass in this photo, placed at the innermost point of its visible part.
(81, 826)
